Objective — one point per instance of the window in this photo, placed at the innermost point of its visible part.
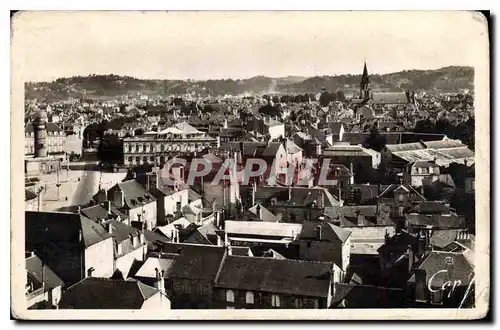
(437, 297)
(275, 300)
(401, 210)
(299, 303)
(308, 244)
(249, 297)
(401, 197)
(316, 303)
(230, 296)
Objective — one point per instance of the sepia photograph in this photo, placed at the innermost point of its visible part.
(250, 165)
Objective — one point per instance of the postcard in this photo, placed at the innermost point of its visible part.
(276, 165)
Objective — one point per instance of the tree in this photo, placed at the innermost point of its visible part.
(340, 96)
(375, 141)
(324, 99)
(110, 149)
(139, 131)
(424, 126)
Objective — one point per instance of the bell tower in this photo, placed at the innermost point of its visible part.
(40, 134)
(365, 84)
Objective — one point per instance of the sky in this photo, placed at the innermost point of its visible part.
(216, 45)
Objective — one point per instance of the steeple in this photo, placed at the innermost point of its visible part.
(365, 83)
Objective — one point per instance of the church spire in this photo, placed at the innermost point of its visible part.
(365, 84)
(365, 79)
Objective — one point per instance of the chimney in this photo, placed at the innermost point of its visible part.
(411, 258)
(318, 233)
(107, 206)
(110, 228)
(289, 193)
(229, 250)
(90, 271)
(254, 191)
(259, 211)
(421, 244)
(420, 285)
(450, 265)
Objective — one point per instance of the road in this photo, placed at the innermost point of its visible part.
(86, 187)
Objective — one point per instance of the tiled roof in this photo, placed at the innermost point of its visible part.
(390, 98)
(148, 269)
(50, 127)
(265, 214)
(282, 276)
(134, 194)
(197, 262)
(29, 195)
(51, 227)
(367, 296)
(442, 221)
(102, 293)
(436, 261)
(261, 228)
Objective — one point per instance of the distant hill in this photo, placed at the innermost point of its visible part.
(449, 79)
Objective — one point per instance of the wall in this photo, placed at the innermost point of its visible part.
(150, 214)
(172, 200)
(322, 251)
(100, 256)
(263, 300)
(191, 293)
(123, 263)
(276, 131)
(157, 301)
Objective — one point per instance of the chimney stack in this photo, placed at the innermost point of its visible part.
(90, 271)
(411, 258)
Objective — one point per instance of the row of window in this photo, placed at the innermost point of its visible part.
(275, 299)
(424, 170)
(31, 149)
(49, 133)
(161, 147)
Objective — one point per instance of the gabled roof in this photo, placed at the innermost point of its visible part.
(265, 214)
(29, 195)
(436, 261)
(197, 262)
(329, 232)
(180, 128)
(281, 276)
(103, 293)
(121, 231)
(148, 269)
(443, 221)
(389, 190)
(390, 98)
(50, 127)
(134, 194)
(367, 296)
(62, 227)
